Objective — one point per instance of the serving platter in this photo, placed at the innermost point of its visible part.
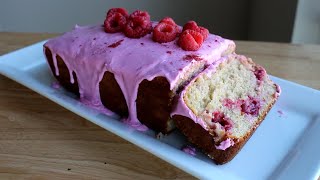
(285, 146)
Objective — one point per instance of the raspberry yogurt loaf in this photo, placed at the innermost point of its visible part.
(152, 72)
(128, 72)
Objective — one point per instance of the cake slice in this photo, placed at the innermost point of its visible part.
(221, 108)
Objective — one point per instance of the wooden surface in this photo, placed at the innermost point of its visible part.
(41, 140)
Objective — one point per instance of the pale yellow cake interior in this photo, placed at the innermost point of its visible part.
(234, 79)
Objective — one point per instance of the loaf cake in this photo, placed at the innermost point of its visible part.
(160, 75)
(221, 108)
(136, 78)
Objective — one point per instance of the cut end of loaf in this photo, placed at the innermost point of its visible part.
(230, 99)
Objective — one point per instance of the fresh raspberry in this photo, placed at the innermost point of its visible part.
(193, 26)
(116, 20)
(204, 32)
(190, 25)
(190, 40)
(142, 14)
(169, 20)
(122, 11)
(138, 24)
(115, 23)
(164, 32)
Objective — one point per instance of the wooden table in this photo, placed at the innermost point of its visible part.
(41, 140)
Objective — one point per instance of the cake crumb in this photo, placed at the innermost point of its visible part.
(280, 113)
(55, 85)
(159, 135)
(135, 125)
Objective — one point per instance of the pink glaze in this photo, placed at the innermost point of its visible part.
(89, 52)
(136, 125)
(278, 91)
(55, 85)
(189, 150)
(225, 144)
(100, 109)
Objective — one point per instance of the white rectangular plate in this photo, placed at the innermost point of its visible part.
(285, 146)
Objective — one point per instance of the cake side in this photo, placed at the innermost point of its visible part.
(64, 75)
(111, 95)
(89, 52)
(228, 101)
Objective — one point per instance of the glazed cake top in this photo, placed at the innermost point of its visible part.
(89, 51)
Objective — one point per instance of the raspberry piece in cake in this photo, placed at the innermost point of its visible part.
(260, 73)
(219, 117)
(138, 25)
(251, 106)
(116, 20)
(228, 103)
(190, 40)
(164, 32)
